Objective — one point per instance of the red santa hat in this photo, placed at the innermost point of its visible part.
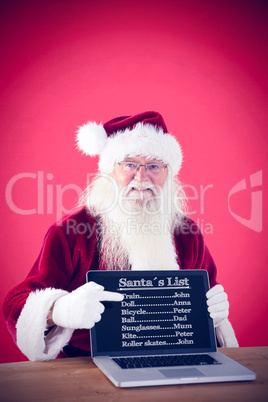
(144, 134)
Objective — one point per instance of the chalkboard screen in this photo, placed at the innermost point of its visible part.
(161, 310)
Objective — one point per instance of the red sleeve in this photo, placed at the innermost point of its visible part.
(192, 250)
(63, 262)
(53, 268)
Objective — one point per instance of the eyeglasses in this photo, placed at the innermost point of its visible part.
(151, 168)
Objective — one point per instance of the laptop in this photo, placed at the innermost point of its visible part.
(161, 333)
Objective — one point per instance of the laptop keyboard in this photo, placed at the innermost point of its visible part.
(164, 361)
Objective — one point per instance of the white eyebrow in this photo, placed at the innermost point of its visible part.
(147, 163)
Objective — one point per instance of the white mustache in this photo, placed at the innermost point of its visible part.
(144, 185)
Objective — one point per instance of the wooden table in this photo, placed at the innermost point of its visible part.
(78, 379)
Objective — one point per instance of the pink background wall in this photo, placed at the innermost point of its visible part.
(201, 64)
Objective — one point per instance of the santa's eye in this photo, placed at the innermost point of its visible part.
(131, 166)
(128, 166)
(152, 167)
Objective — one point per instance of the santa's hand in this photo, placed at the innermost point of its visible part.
(218, 305)
(82, 308)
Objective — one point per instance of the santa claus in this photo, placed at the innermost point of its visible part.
(132, 217)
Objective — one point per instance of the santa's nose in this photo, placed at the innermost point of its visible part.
(141, 174)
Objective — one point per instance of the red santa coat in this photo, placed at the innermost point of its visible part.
(68, 252)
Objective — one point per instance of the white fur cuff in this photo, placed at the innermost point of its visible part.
(32, 324)
(226, 335)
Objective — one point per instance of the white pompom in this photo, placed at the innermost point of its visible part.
(91, 138)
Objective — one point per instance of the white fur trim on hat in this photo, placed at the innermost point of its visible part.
(144, 140)
(226, 335)
(91, 138)
(32, 324)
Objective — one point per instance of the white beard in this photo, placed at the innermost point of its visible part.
(137, 230)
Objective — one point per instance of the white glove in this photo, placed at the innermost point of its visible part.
(218, 305)
(82, 308)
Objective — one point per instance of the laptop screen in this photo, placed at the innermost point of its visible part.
(162, 312)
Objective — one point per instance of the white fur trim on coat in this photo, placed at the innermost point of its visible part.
(226, 335)
(32, 324)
